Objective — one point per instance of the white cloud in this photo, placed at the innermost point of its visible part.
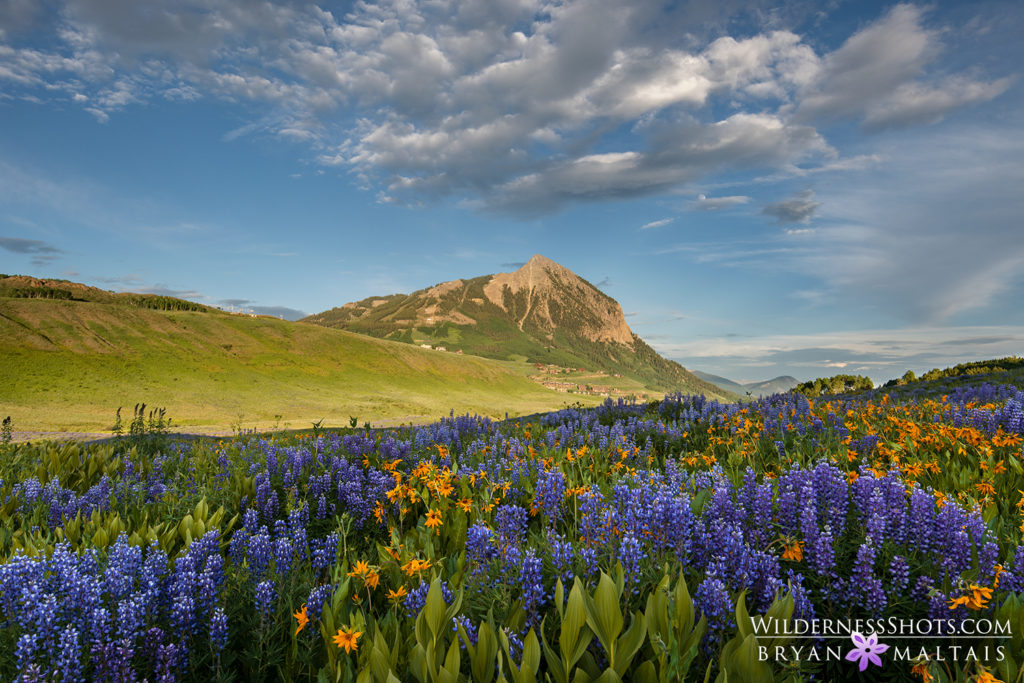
(705, 203)
(914, 103)
(657, 224)
(501, 103)
(680, 152)
(875, 75)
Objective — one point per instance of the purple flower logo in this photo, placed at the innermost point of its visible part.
(866, 650)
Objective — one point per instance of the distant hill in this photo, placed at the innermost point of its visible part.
(932, 384)
(721, 382)
(27, 287)
(71, 354)
(974, 368)
(542, 313)
(778, 385)
(939, 382)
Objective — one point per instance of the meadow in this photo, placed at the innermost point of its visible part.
(629, 541)
(68, 365)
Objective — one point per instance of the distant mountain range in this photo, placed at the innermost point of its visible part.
(778, 385)
(542, 313)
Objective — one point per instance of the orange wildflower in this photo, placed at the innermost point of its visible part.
(302, 617)
(794, 551)
(922, 671)
(466, 505)
(397, 594)
(979, 597)
(415, 565)
(395, 494)
(985, 488)
(361, 569)
(434, 519)
(347, 639)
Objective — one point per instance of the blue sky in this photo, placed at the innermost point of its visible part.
(800, 188)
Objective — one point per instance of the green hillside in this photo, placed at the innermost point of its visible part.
(933, 384)
(69, 364)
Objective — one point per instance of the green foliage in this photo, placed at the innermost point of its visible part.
(37, 293)
(605, 619)
(670, 626)
(435, 657)
(739, 659)
(976, 368)
(574, 635)
(163, 303)
(837, 384)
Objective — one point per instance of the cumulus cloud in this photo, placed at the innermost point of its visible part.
(876, 76)
(42, 253)
(705, 203)
(680, 151)
(797, 209)
(914, 103)
(515, 106)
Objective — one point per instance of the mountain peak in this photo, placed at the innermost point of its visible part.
(541, 261)
(538, 265)
(547, 296)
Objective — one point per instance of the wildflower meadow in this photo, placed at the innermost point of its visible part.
(681, 539)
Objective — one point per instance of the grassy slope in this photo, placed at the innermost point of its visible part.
(936, 388)
(69, 364)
